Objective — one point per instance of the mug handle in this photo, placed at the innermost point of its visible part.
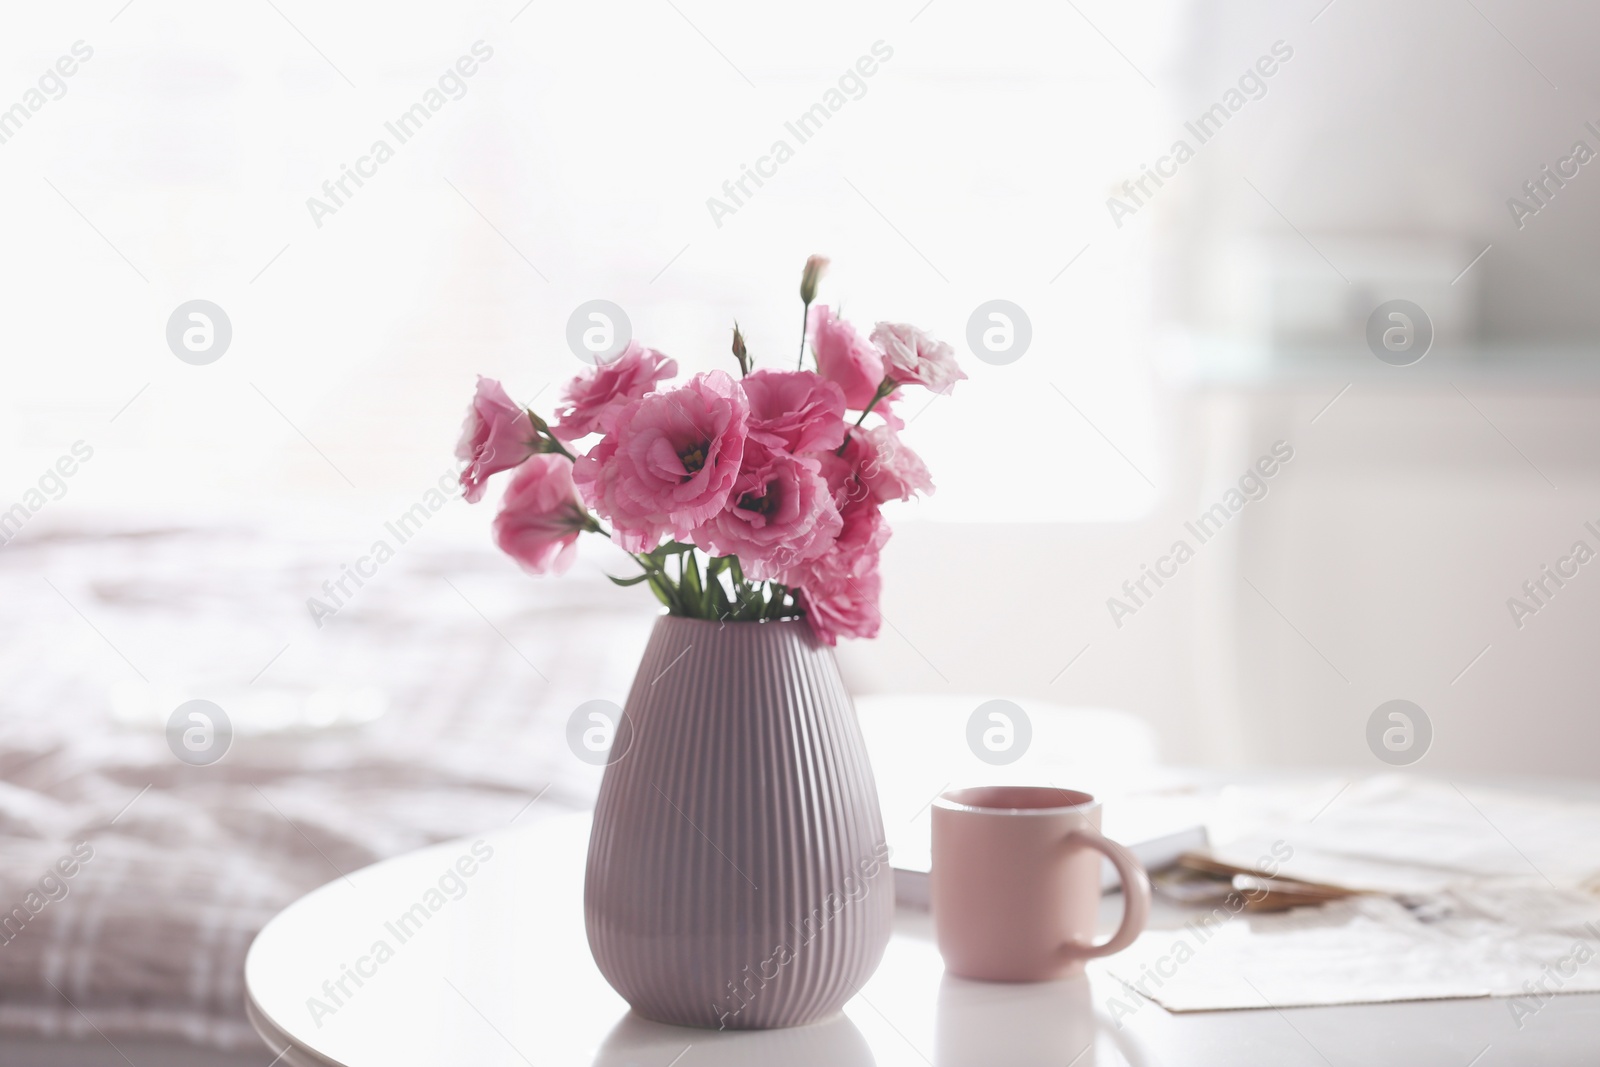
(1135, 895)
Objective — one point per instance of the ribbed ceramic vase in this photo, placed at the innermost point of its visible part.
(738, 876)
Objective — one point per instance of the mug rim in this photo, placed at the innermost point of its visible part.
(950, 800)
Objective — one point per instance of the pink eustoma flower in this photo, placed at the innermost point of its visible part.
(862, 530)
(496, 437)
(842, 600)
(886, 465)
(591, 400)
(839, 589)
(670, 461)
(795, 410)
(781, 513)
(911, 357)
(541, 516)
(845, 358)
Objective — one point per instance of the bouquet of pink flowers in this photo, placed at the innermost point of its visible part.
(741, 500)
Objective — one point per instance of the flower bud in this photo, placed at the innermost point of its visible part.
(740, 353)
(809, 278)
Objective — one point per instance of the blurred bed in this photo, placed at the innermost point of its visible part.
(432, 705)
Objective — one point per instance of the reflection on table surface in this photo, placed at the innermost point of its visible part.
(977, 1024)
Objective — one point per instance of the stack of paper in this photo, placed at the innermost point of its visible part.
(1468, 893)
(1397, 834)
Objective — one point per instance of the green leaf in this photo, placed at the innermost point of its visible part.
(716, 592)
(635, 580)
(752, 601)
(659, 588)
(671, 548)
(689, 584)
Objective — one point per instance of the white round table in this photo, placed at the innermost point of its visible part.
(473, 952)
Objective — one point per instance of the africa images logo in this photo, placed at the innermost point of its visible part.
(405, 126)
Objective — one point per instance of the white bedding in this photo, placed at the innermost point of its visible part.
(478, 674)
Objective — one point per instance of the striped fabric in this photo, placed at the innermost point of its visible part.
(478, 665)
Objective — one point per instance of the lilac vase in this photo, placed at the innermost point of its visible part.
(738, 876)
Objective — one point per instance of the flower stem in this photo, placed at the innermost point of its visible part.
(805, 321)
(548, 442)
(885, 387)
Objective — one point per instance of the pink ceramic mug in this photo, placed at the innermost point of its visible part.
(1016, 883)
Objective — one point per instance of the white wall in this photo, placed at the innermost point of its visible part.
(1391, 542)
(991, 141)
